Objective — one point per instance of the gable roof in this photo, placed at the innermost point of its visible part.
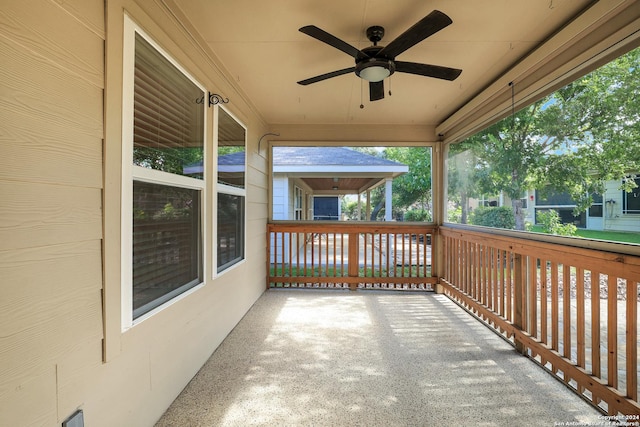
(335, 170)
(327, 156)
(321, 168)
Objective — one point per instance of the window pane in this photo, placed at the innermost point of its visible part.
(631, 200)
(166, 243)
(595, 211)
(231, 157)
(230, 230)
(168, 115)
(552, 198)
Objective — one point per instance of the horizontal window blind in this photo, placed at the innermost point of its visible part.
(168, 114)
(166, 243)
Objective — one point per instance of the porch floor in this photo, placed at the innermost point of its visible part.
(369, 358)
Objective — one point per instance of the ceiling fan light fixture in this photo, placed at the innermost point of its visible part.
(374, 71)
(374, 74)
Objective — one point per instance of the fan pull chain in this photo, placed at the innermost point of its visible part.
(389, 86)
(361, 102)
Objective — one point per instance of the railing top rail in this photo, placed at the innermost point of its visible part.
(575, 242)
(606, 262)
(351, 226)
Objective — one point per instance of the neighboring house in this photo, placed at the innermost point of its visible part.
(308, 181)
(615, 210)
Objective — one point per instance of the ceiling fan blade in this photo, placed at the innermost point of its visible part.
(428, 70)
(331, 40)
(326, 76)
(376, 90)
(427, 26)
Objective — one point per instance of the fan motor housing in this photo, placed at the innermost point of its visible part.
(375, 33)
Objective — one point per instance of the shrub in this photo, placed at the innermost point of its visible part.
(497, 217)
(454, 214)
(419, 215)
(551, 224)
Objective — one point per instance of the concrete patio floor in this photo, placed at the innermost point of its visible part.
(370, 358)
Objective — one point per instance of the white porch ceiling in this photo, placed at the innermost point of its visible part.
(259, 44)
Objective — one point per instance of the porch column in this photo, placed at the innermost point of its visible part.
(368, 210)
(358, 208)
(387, 199)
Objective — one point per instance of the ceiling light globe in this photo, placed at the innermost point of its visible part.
(375, 73)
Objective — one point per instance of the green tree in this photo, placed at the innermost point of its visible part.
(463, 173)
(350, 208)
(413, 187)
(572, 140)
(410, 189)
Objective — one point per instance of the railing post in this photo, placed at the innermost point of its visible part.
(354, 262)
(269, 245)
(519, 298)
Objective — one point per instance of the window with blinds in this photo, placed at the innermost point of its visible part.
(168, 115)
(167, 203)
(231, 190)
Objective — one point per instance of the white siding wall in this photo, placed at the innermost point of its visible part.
(54, 253)
(614, 219)
(280, 197)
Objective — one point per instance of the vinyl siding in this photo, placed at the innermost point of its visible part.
(59, 223)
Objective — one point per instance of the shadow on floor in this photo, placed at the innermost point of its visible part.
(340, 358)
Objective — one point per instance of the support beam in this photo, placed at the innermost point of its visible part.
(388, 201)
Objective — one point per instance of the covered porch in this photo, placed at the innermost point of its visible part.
(415, 324)
(370, 359)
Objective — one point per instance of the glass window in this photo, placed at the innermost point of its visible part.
(168, 122)
(231, 150)
(166, 243)
(573, 150)
(548, 197)
(230, 230)
(631, 200)
(231, 190)
(595, 210)
(162, 191)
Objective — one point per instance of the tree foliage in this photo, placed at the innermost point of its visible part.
(498, 217)
(551, 224)
(572, 140)
(413, 187)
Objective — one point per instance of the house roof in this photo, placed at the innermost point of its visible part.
(328, 156)
(326, 170)
(334, 170)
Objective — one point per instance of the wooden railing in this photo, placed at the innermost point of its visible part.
(331, 254)
(573, 309)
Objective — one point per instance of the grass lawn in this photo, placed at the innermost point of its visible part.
(613, 236)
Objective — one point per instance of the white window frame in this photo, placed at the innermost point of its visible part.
(298, 203)
(625, 197)
(131, 173)
(230, 190)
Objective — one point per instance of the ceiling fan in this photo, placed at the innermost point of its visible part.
(375, 63)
